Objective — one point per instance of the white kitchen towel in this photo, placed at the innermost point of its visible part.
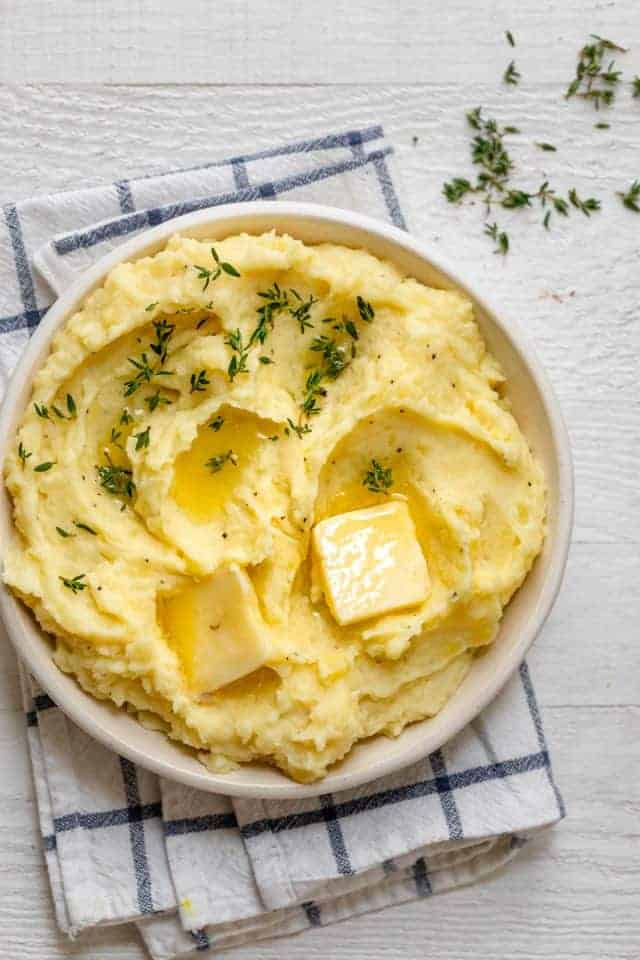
(198, 872)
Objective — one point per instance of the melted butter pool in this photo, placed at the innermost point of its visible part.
(203, 493)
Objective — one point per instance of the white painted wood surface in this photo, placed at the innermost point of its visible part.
(175, 84)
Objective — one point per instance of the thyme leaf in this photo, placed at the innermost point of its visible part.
(215, 464)
(142, 439)
(199, 382)
(631, 199)
(85, 527)
(44, 467)
(511, 75)
(23, 453)
(74, 584)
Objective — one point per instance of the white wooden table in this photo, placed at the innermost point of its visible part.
(180, 83)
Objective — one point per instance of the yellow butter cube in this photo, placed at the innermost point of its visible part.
(217, 630)
(371, 562)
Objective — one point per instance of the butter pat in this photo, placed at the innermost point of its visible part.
(370, 561)
(216, 628)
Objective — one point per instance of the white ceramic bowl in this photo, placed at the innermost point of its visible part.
(534, 405)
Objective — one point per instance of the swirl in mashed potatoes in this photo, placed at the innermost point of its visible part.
(271, 497)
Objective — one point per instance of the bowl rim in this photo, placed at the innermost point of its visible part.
(73, 700)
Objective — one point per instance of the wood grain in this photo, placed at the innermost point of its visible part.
(119, 88)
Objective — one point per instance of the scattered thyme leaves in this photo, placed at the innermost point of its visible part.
(298, 429)
(334, 355)
(115, 437)
(74, 584)
(631, 199)
(23, 453)
(301, 313)
(44, 467)
(588, 206)
(63, 533)
(142, 439)
(154, 400)
(548, 147)
(499, 237)
(377, 478)
(456, 189)
(217, 424)
(266, 360)
(602, 126)
(151, 306)
(117, 481)
(199, 382)
(71, 406)
(313, 389)
(635, 87)
(215, 464)
(594, 81)
(85, 527)
(125, 417)
(509, 37)
(511, 75)
(164, 331)
(238, 362)
(211, 275)
(42, 411)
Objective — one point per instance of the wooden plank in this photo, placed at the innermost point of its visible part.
(250, 41)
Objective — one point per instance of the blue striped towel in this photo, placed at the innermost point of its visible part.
(197, 872)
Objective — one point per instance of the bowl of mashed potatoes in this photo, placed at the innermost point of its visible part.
(284, 502)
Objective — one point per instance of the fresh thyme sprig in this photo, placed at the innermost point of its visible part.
(238, 362)
(215, 464)
(511, 75)
(594, 81)
(117, 481)
(23, 453)
(301, 313)
(377, 478)
(221, 266)
(42, 411)
(631, 199)
(74, 584)
(145, 372)
(297, 428)
(336, 357)
(313, 389)
(493, 182)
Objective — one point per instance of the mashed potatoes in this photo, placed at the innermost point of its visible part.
(193, 432)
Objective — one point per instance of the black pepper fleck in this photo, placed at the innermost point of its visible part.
(398, 449)
(433, 356)
(224, 536)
